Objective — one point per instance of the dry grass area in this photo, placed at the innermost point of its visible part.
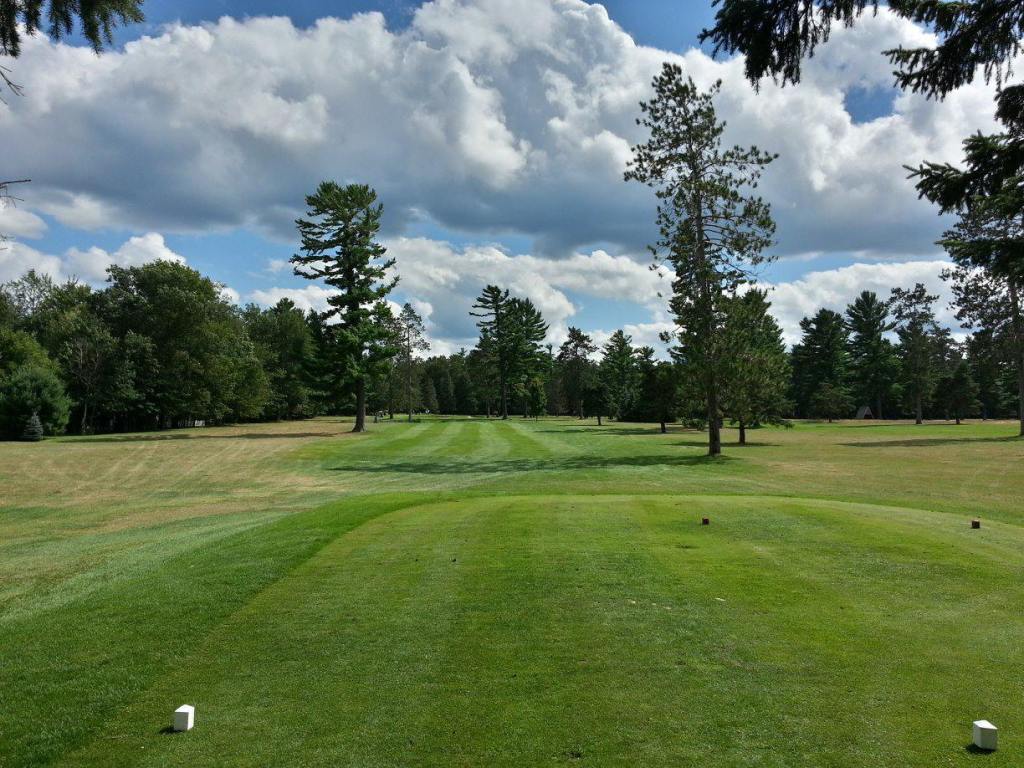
(119, 481)
(75, 512)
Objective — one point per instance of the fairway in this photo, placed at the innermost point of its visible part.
(470, 592)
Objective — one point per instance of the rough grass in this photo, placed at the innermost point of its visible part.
(465, 592)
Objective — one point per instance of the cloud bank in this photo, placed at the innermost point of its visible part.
(485, 116)
(482, 118)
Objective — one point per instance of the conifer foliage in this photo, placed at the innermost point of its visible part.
(33, 431)
(339, 247)
(972, 36)
(712, 230)
(95, 19)
(987, 242)
(411, 338)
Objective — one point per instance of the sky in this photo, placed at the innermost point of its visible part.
(495, 132)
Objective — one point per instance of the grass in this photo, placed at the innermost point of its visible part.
(462, 592)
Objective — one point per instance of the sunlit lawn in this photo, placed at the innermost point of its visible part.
(471, 592)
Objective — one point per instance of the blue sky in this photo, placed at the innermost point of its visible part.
(494, 132)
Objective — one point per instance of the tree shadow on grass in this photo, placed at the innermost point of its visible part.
(655, 430)
(156, 437)
(503, 466)
(607, 429)
(925, 442)
(725, 446)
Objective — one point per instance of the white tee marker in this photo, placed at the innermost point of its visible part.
(184, 717)
(985, 735)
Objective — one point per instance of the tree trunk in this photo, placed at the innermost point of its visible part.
(1018, 332)
(707, 295)
(714, 429)
(504, 397)
(579, 408)
(408, 388)
(1020, 390)
(958, 419)
(918, 410)
(664, 429)
(743, 433)
(360, 425)
(85, 417)
(599, 419)
(878, 406)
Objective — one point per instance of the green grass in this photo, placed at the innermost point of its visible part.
(465, 592)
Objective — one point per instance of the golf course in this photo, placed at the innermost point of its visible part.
(464, 592)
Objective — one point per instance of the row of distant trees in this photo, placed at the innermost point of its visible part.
(159, 347)
(890, 357)
(894, 358)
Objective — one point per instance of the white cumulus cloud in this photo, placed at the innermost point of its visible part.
(88, 265)
(485, 116)
(835, 289)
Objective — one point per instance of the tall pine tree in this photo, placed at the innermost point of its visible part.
(576, 367)
(491, 308)
(821, 367)
(923, 346)
(987, 242)
(873, 363)
(711, 230)
(339, 247)
(411, 336)
(620, 373)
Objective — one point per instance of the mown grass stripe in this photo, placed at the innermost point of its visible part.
(76, 681)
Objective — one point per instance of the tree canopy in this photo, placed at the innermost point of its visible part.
(712, 230)
(339, 247)
(972, 35)
(95, 20)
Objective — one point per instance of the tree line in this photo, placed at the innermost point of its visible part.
(881, 358)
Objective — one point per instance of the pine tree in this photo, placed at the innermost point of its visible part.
(923, 345)
(754, 387)
(428, 394)
(411, 337)
(873, 363)
(524, 345)
(96, 21)
(595, 398)
(711, 231)
(33, 432)
(339, 247)
(958, 391)
(576, 367)
(986, 359)
(620, 374)
(820, 362)
(831, 400)
(536, 397)
(987, 242)
(491, 307)
(660, 391)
